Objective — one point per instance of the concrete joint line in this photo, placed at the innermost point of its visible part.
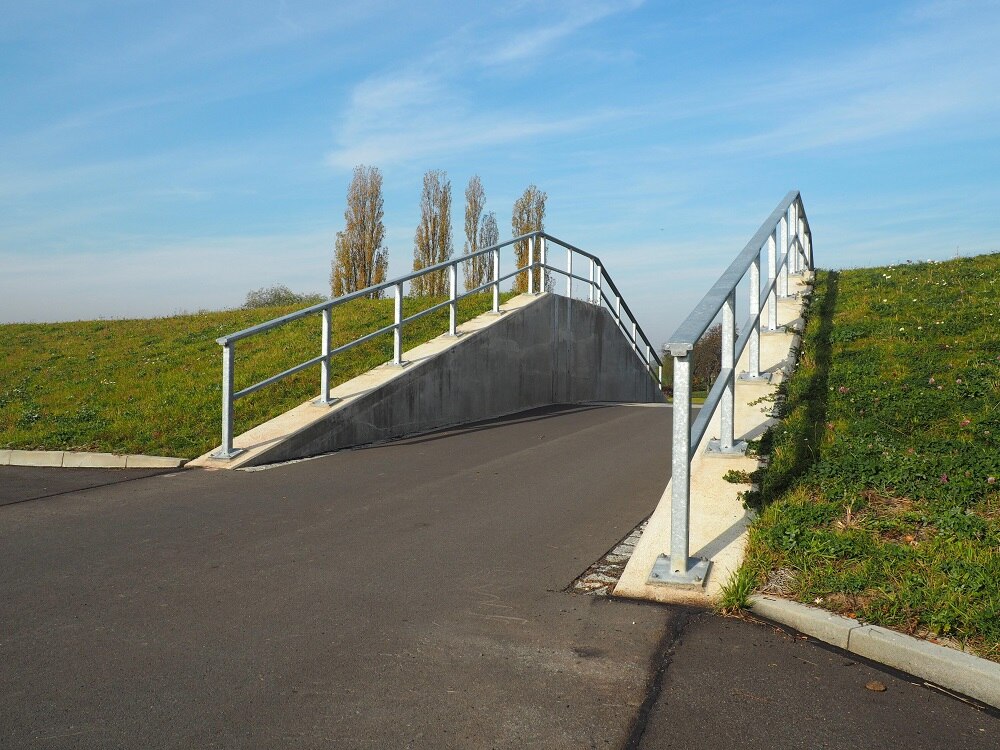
(955, 670)
(84, 460)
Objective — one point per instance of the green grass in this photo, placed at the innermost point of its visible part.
(152, 386)
(881, 497)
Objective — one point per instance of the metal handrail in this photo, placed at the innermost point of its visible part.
(787, 229)
(597, 280)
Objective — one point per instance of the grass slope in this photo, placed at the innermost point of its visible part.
(881, 499)
(153, 386)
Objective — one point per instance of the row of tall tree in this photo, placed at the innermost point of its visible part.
(361, 257)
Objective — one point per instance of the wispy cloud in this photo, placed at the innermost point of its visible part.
(941, 68)
(430, 105)
(529, 43)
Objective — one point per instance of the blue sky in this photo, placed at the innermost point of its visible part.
(157, 157)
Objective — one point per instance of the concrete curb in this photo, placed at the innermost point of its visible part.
(82, 460)
(955, 670)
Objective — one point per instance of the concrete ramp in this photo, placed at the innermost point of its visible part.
(541, 350)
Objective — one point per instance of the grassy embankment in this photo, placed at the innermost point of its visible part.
(881, 498)
(152, 386)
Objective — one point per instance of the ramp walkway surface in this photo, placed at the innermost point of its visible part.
(412, 594)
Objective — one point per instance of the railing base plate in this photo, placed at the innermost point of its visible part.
(320, 402)
(221, 455)
(715, 448)
(762, 378)
(694, 577)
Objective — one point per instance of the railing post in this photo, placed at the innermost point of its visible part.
(599, 277)
(496, 281)
(397, 333)
(569, 273)
(618, 310)
(755, 303)
(593, 287)
(531, 265)
(728, 400)
(226, 449)
(542, 259)
(772, 263)
(324, 369)
(801, 254)
(635, 340)
(783, 250)
(649, 366)
(453, 292)
(680, 475)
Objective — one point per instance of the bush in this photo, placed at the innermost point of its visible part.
(279, 294)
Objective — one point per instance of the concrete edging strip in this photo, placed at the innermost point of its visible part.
(955, 670)
(82, 459)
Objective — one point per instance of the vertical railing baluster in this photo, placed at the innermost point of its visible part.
(590, 292)
(755, 305)
(599, 288)
(542, 261)
(496, 281)
(228, 357)
(453, 304)
(728, 347)
(680, 477)
(569, 273)
(397, 333)
(531, 265)
(772, 269)
(324, 369)
(783, 255)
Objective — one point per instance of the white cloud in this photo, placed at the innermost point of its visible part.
(530, 43)
(429, 106)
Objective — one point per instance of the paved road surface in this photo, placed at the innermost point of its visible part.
(408, 595)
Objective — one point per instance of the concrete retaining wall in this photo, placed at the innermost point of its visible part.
(546, 350)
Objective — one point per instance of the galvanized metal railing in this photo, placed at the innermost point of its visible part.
(596, 282)
(785, 240)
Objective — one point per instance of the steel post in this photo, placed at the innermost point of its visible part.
(755, 303)
(453, 292)
(772, 269)
(593, 288)
(496, 281)
(569, 273)
(531, 265)
(598, 273)
(728, 399)
(324, 371)
(542, 260)
(680, 475)
(397, 333)
(783, 251)
(226, 449)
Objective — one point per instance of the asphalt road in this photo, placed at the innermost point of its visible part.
(406, 595)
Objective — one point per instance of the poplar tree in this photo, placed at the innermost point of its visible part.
(476, 269)
(432, 241)
(361, 258)
(528, 216)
